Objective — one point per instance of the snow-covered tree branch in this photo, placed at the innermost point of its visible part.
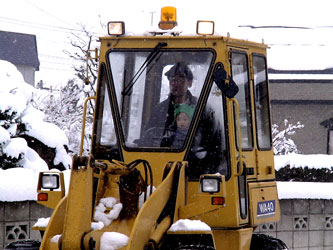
(64, 108)
(282, 143)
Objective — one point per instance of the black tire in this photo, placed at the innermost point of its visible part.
(265, 242)
(24, 245)
(195, 247)
(188, 242)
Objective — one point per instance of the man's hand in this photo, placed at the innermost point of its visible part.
(200, 152)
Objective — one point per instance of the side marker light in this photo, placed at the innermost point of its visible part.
(218, 201)
(42, 197)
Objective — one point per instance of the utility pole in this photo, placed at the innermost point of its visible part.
(152, 17)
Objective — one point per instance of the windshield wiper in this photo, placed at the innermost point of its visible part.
(150, 58)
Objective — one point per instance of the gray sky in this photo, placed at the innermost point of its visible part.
(53, 21)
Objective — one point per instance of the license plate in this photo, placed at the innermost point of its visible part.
(266, 208)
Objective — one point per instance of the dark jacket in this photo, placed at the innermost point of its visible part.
(162, 115)
(205, 153)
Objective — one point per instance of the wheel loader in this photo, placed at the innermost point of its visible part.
(146, 183)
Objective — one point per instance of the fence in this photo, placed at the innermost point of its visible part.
(17, 218)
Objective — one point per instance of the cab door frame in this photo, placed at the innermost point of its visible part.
(240, 73)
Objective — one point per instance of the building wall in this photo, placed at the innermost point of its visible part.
(290, 91)
(17, 218)
(308, 103)
(28, 73)
(304, 224)
(312, 139)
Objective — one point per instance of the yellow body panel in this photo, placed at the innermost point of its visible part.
(79, 206)
(54, 196)
(237, 239)
(57, 222)
(145, 223)
(265, 191)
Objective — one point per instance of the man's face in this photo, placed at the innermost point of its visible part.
(179, 85)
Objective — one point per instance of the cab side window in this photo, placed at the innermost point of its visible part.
(240, 74)
(208, 153)
(261, 102)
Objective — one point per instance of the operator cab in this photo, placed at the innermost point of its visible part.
(147, 111)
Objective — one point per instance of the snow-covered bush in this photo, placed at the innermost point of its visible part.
(305, 174)
(282, 143)
(299, 167)
(23, 132)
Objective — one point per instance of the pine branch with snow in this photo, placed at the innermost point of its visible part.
(282, 143)
(25, 139)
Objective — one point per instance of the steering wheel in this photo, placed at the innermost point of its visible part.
(158, 137)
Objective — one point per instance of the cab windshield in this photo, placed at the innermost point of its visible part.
(157, 93)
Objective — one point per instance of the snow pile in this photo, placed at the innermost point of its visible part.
(56, 238)
(18, 184)
(11, 81)
(299, 160)
(113, 241)
(97, 225)
(42, 222)
(189, 225)
(107, 210)
(305, 190)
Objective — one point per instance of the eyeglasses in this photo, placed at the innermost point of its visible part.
(177, 79)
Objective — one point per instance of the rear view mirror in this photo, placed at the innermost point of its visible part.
(224, 83)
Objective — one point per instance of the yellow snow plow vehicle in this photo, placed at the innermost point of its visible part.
(181, 154)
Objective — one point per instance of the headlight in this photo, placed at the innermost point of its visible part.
(116, 28)
(205, 27)
(50, 181)
(210, 184)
